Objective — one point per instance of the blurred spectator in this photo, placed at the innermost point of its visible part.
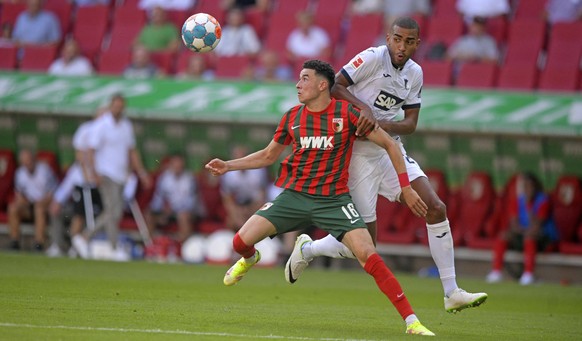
(307, 40)
(530, 228)
(563, 11)
(83, 3)
(174, 198)
(6, 35)
(178, 5)
(70, 197)
(270, 69)
(482, 8)
(34, 183)
(36, 26)
(475, 46)
(160, 34)
(367, 6)
(397, 8)
(111, 156)
(238, 38)
(261, 5)
(71, 63)
(196, 69)
(243, 192)
(141, 66)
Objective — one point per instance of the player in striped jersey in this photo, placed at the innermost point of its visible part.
(381, 81)
(315, 182)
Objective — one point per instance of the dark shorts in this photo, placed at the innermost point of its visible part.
(79, 204)
(293, 211)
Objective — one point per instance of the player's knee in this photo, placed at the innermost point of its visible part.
(437, 210)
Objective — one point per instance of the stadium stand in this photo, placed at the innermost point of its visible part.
(90, 26)
(8, 60)
(10, 12)
(232, 67)
(477, 75)
(567, 199)
(354, 41)
(437, 73)
(111, 62)
(37, 58)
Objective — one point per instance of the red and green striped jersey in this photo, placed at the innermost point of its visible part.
(322, 148)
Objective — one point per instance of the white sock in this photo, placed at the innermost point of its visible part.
(327, 246)
(440, 241)
(410, 319)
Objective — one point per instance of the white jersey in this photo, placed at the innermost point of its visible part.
(384, 87)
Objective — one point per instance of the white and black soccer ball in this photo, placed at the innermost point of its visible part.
(201, 32)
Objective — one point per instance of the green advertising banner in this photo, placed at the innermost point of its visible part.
(169, 99)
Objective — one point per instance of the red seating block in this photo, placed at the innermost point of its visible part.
(567, 210)
(477, 75)
(38, 58)
(8, 58)
(476, 203)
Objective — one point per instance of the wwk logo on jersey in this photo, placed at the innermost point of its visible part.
(316, 142)
(385, 101)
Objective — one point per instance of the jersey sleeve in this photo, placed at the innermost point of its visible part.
(282, 135)
(353, 117)
(413, 100)
(362, 66)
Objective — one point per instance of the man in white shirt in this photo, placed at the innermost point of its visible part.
(243, 192)
(307, 40)
(34, 185)
(111, 154)
(174, 197)
(71, 62)
(238, 38)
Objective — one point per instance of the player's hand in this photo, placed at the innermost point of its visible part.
(366, 122)
(414, 202)
(217, 167)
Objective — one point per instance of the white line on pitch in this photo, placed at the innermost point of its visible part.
(176, 332)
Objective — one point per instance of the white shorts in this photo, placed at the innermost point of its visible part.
(373, 175)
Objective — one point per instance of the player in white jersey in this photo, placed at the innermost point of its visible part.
(381, 81)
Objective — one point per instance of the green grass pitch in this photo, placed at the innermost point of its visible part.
(66, 299)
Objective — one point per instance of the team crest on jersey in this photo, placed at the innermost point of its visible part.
(266, 206)
(385, 101)
(357, 62)
(338, 124)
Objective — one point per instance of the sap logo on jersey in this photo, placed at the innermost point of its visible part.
(385, 101)
(316, 142)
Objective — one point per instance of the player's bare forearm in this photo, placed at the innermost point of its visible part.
(262, 158)
(406, 126)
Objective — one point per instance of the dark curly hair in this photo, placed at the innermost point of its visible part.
(321, 68)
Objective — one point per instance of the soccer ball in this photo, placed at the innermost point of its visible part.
(201, 32)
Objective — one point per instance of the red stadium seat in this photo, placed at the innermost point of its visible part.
(185, 55)
(445, 8)
(113, 62)
(559, 79)
(525, 41)
(518, 77)
(497, 28)
(362, 33)
(178, 17)
(498, 220)
(8, 58)
(257, 19)
(444, 30)
(164, 61)
(232, 67)
(90, 26)
(211, 7)
(477, 75)
(567, 210)
(476, 203)
(291, 7)
(63, 11)
(328, 15)
(437, 73)
(126, 25)
(37, 58)
(9, 12)
(567, 33)
(7, 169)
(388, 229)
(280, 26)
(209, 192)
(530, 9)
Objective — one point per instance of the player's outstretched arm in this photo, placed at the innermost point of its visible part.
(411, 198)
(366, 122)
(406, 126)
(262, 158)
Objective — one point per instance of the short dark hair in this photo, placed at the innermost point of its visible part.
(408, 23)
(117, 96)
(321, 68)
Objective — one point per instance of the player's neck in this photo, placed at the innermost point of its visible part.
(318, 104)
